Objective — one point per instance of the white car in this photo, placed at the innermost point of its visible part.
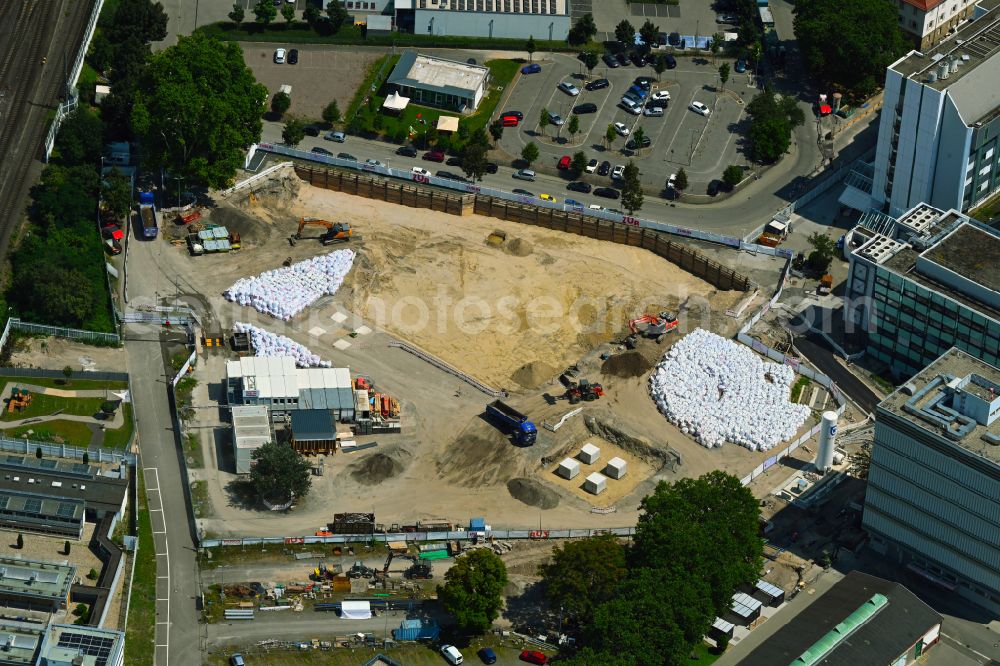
(595, 207)
(660, 96)
(591, 166)
(618, 172)
(374, 163)
(621, 129)
(556, 119)
(419, 171)
(569, 88)
(700, 108)
(672, 181)
(652, 111)
(279, 56)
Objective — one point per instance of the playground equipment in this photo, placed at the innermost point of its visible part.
(19, 400)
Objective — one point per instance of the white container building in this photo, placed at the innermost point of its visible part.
(616, 468)
(589, 454)
(568, 468)
(596, 483)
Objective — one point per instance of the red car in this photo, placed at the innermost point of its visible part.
(509, 121)
(563, 164)
(534, 657)
(434, 156)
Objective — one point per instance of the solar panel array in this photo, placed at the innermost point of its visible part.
(98, 647)
(32, 505)
(66, 510)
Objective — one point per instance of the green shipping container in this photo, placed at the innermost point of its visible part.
(435, 555)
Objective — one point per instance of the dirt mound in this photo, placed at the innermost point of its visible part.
(629, 364)
(534, 374)
(533, 493)
(250, 229)
(377, 467)
(519, 247)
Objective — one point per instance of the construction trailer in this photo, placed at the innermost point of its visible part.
(251, 430)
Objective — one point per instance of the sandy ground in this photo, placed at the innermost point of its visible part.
(57, 353)
(638, 471)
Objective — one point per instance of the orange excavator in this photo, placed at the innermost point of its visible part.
(656, 328)
(336, 232)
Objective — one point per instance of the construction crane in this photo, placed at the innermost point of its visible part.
(656, 327)
(336, 232)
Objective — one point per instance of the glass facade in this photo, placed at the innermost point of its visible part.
(914, 325)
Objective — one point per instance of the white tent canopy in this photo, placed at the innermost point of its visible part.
(355, 610)
(395, 102)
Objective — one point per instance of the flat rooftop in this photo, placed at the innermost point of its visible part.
(251, 426)
(40, 580)
(972, 253)
(19, 641)
(930, 394)
(422, 71)
(904, 263)
(64, 642)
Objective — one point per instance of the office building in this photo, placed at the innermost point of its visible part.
(940, 121)
(926, 22)
(277, 384)
(438, 82)
(921, 284)
(933, 498)
(40, 586)
(509, 19)
(251, 430)
(860, 621)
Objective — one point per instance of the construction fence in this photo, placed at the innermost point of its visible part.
(26, 446)
(39, 373)
(385, 190)
(90, 337)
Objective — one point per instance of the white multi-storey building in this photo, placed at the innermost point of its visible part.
(927, 22)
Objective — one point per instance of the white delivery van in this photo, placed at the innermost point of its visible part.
(452, 654)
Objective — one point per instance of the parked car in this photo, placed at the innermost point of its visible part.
(700, 108)
(523, 193)
(607, 192)
(374, 163)
(618, 172)
(406, 151)
(452, 654)
(491, 167)
(279, 56)
(579, 186)
(340, 137)
(586, 107)
(237, 660)
(637, 92)
(646, 143)
(674, 39)
(321, 151)
(454, 161)
(574, 203)
(653, 111)
(524, 174)
(448, 175)
(419, 171)
(672, 181)
(591, 166)
(596, 207)
(312, 130)
(435, 155)
(670, 61)
(533, 68)
(509, 121)
(569, 88)
(713, 187)
(637, 58)
(610, 61)
(515, 114)
(740, 66)
(533, 657)
(630, 105)
(293, 57)
(621, 129)
(598, 84)
(347, 156)
(556, 119)
(604, 169)
(564, 162)
(660, 96)
(643, 82)
(622, 58)
(487, 655)
(547, 197)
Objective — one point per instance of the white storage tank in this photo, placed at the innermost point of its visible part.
(595, 484)
(615, 468)
(589, 454)
(568, 468)
(827, 441)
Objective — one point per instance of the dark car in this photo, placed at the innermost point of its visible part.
(586, 107)
(579, 186)
(513, 114)
(714, 187)
(607, 192)
(604, 169)
(646, 143)
(321, 151)
(454, 161)
(643, 82)
(487, 655)
(674, 39)
(347, 156)
(637, 58)
(741, 66)
(658, 103)
(597, 84)
(448, 175)
(434, 155)
(491, 167)
(471, 61)
(670, 60)
(313, 130)
(525, 193)
(622, 58)
(609, 60)
(406, 151)
(293, 57)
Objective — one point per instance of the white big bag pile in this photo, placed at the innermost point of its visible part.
(285, 292)
(718, 390)
(266, 343)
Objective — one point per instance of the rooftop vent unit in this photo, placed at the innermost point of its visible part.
(943, 71)
(932, 77)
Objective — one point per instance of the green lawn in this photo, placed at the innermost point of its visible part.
(78, 382)
(193, 454)
(60, 432)
(275, 552)
(47, 405)
(140, 639)
(199, 499)
(800, 385)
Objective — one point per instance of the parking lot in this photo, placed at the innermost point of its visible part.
(680, 138)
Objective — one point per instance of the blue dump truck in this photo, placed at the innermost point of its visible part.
(147, 214)
(514, 422)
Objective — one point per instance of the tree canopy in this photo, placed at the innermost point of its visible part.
(824, 249)
(847, 44)
(582, 31)
(197, 109)
(474, 159)
(473, 590)
(771, 123)
(733, 175)
(625, 32)
(279, 473)
(81, 138)
(584, 574)
(632, 189)
(529, 153)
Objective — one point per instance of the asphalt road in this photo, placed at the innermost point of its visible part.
(824, 359)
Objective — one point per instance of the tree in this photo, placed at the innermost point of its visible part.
(141, 19)
(81, 138)
(582, 31)
(716, 44)
(609, 135)
(92, 574)
(574, 125)
(847, 44)
(649, 33)
(337, 15)
(681, 183)
(772, 121)
(278, 473)
(331, 113)
(38, 452)
(288, 13)
(824, 249)
(632, 188)
(660, 65)
(86, 457)
(583, 574)
(312, 14)
(578, 164)
(733, 175)
(543, 119)
(67, 373)
(237, 15)
(293, 132)
(625, 33)
(638, 136)
(590, 60)
(66, 547)
(529, 46)
(529, 153)
(20, 541)
(703, 530)
(116, 194)
(265, 12)
(496, 130)
(473, 590)
(197, 110)
(281, 101)
(723, 74)
(474, 158)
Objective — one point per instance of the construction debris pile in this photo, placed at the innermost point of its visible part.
(717, 390)
(266, 343)
(285, 292)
